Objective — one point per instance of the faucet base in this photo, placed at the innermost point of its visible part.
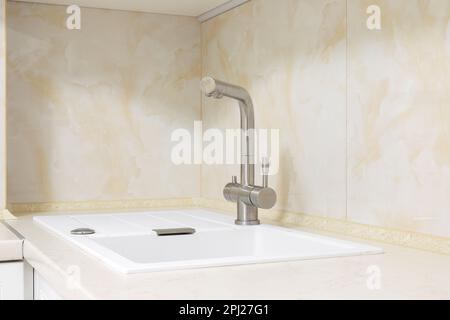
(248, 223)
(247, 215)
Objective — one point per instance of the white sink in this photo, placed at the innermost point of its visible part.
(127, 242)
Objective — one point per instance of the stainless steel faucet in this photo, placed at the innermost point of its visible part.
(249, 198)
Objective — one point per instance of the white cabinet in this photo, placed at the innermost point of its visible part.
(12, 281)
(42, 290)
(18, 281)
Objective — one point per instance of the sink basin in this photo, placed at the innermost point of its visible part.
(128, 244)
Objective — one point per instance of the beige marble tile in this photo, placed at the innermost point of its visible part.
(399, 116)
(291, 56)
(91, 112)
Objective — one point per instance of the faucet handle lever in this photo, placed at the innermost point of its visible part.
(265, 171)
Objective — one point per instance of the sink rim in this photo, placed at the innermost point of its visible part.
(124, 265)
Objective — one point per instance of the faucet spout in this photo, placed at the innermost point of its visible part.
(213, 88)
(218, 89)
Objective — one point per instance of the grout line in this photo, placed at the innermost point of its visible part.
(4, 110)
(201, 98)
(347, 94)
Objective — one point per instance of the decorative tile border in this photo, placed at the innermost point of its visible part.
(52, 207)
(408, 239)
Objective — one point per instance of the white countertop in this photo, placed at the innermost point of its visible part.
(10, 245)
(404, 274)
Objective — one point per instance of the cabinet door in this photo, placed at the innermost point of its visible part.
(12, 281)
(42, 290)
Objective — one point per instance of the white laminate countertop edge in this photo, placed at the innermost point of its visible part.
(10, 245)
(401, 273)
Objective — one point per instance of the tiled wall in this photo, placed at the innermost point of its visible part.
(364, 115)
(91, 111)
(399, 116)
(291, 56)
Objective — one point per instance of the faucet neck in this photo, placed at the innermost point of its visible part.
(247, 143)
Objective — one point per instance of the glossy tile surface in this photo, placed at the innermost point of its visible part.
(399, 116)
(363, 115)
(291, 56)
(91, 112)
